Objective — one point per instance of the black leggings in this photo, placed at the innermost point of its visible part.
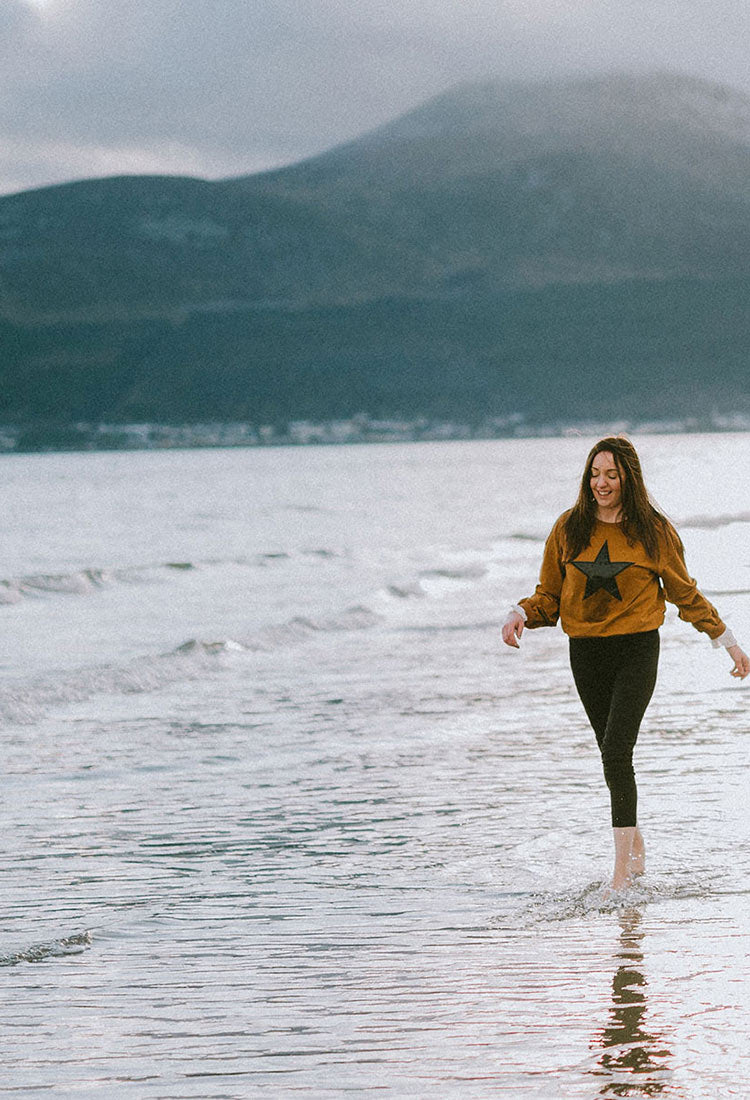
(615, 678)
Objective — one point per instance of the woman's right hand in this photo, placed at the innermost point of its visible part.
(741, 662)
(513, 629)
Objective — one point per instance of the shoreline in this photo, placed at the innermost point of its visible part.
(360, 430)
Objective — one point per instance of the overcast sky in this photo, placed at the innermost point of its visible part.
(225, 87)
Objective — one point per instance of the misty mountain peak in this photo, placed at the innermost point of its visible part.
(669, 121)
(597, 105)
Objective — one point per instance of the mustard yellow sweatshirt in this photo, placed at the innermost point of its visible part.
(614, 587)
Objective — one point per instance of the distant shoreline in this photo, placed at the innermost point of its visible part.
(361, 429)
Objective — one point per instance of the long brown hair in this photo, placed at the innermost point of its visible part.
(641, 519)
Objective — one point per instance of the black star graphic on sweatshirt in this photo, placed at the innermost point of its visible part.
(601, 573)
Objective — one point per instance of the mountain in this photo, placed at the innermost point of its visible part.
(501, 248)
(513, 184)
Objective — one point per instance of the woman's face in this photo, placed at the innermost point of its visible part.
(605, 482)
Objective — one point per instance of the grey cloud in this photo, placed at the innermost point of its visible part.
(244, 84)
(16, 21)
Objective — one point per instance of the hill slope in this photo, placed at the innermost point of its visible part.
(488, 251)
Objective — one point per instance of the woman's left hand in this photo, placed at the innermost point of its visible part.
(741, 661)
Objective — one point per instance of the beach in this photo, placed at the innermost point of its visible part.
(283, 815)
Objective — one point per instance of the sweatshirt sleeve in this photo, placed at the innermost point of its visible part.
(543, 608)
(681, 590)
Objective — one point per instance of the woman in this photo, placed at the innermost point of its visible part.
(608, 564)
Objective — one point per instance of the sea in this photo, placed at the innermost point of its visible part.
(282, 816)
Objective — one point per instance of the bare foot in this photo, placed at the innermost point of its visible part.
(618, 885)
(621, 881)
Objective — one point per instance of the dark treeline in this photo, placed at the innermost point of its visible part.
(643, 348)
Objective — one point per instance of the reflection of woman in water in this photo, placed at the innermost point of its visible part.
(629, 1044)
(608, 564)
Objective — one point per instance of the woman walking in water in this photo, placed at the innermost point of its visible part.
(609, 562)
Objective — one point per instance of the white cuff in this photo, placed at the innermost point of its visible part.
(726, 639)
(516, 609)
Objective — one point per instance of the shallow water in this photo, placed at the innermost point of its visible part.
(281, 815)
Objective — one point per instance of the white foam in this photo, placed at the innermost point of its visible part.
(598, 897)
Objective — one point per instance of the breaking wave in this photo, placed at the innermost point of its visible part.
(23, 702)
(84, 582)
(470, 572)
(39, 952)
(54, 584)
(710, 523)
(405, 590)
